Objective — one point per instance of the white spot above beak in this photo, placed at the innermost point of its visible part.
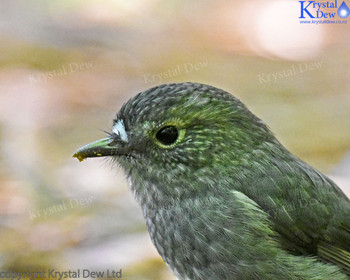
(119, 129)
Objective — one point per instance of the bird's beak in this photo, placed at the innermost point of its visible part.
(99, 148)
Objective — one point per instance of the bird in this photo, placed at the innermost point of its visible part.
(222, 198)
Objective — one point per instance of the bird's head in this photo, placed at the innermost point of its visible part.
(180, 132)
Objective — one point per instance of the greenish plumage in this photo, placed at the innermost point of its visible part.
(222, 198)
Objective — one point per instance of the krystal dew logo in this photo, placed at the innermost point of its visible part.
(324, 12)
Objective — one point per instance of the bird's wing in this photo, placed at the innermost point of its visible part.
(242, 235)
(334, 244)
(333, 208)
(307, 209)
(335, 255)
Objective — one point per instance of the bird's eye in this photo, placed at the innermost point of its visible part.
(167, 135)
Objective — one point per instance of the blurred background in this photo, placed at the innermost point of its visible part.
(66, 67)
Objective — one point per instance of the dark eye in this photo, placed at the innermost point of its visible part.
(167, 135)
